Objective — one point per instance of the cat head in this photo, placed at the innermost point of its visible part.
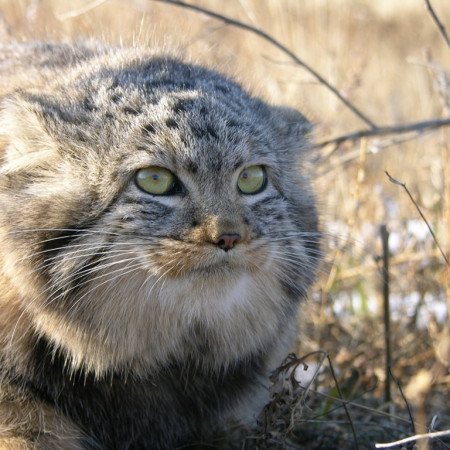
(145, 203)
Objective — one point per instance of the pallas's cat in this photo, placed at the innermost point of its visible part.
(158, 234)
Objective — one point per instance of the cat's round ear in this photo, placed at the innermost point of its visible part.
(292, 121)
(24, 139)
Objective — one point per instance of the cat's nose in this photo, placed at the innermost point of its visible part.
(227, 241)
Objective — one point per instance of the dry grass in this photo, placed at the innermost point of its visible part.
(388, 59)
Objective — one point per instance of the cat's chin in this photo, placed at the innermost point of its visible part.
(225, 269)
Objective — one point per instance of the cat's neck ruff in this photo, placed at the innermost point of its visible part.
(144, 323)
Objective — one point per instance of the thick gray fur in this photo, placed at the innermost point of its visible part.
(123, 322)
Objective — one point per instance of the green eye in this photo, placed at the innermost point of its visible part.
(252, 180)
(156, 180)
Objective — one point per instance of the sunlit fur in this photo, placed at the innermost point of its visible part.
(122, 322)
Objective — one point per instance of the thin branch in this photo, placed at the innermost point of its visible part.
(417, 437)
(387, 313)
(382, 131)
(281, 47)
(355, 405)
(344, 404)
(393, 180)
(438, 22)
(404, 399)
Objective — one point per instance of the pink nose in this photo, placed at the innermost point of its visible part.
(227, 241)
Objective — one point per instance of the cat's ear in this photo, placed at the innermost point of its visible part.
(291, 121)
(24, 137)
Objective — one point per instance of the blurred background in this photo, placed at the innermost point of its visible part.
(391, 62)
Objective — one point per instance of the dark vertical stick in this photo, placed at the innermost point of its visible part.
(387, 315)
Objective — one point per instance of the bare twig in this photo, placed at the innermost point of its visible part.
(417, 437)
(404, 399)
(438, 22)
(382, 131)
(281, 47)
(333, 374)
(393, 180)
(359, 406)
(387, 314)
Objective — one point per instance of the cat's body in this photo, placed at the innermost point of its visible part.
(132, 317)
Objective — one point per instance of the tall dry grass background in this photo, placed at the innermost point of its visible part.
(389, 59)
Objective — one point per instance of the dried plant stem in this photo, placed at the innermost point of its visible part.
(355, 436)
(281, 47)
(393, 180)
(351, 221)
(442, 90)
(353, 404)
(382, 131)
(417, 437)
(391, 375)
(364, 270)
(446, 169)
(438, 22)
(387, 314)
